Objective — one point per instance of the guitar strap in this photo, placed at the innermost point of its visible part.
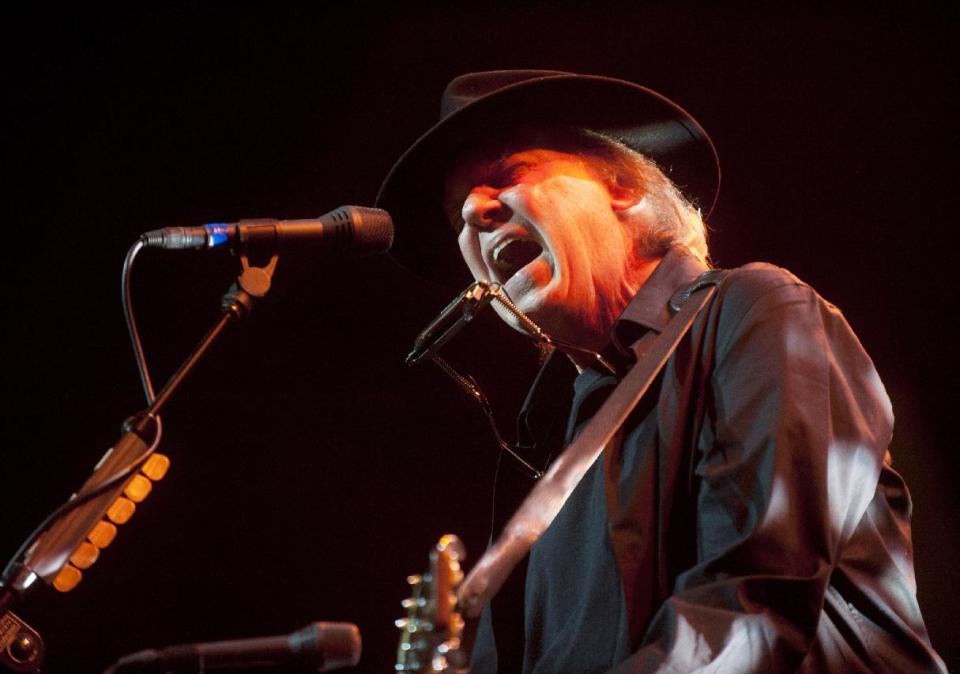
(552, 491)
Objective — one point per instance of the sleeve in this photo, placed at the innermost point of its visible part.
(797, 435)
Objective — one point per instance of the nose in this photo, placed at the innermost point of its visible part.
(484, 211)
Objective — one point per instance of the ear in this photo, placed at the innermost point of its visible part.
(622, 200)
(622, 204)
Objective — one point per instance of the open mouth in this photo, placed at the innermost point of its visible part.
(514, 254)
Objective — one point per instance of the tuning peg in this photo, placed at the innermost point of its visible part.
(102, 534)
(453, 545)
(121, 510)
(68, 578)
(155, 467)
(413, 646)
(85, 555)
(137, 488)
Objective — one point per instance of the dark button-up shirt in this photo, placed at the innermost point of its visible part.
(743, 520)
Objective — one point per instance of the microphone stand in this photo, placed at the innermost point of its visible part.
(48, 549)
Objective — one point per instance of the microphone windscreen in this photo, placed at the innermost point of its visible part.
(372, 229)
(338, 644)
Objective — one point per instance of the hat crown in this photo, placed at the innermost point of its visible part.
(467, 88)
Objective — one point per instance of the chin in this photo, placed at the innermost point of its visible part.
(546, 308)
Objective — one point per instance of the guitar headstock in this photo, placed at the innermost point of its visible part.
(432, 631)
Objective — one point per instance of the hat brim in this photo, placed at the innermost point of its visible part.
(645, 121)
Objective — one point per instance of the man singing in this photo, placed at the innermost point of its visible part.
(745, 517)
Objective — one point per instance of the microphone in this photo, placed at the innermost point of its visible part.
(349, 229)
(324, 645)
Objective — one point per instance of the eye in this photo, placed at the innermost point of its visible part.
(499, 180)
(506, 174)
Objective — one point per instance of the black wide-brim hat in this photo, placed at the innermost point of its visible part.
(479, 110)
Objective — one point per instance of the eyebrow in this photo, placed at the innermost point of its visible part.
(506, 168)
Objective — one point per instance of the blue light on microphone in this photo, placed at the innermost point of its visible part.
(218, 233)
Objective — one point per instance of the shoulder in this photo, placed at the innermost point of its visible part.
(744, 287)
(762, 295)
(748, 284)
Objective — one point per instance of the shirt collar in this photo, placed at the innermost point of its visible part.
(649, 309)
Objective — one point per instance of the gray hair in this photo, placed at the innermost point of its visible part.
(676, 224)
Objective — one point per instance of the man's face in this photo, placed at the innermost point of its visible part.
(545, 226)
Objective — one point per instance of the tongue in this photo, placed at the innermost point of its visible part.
(517, 254)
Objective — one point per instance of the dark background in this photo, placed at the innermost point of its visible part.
(310, 470)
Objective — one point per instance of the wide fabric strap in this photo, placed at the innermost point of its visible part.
(552, 491)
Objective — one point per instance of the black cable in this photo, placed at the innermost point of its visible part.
(469, 384)
(131, 467)
(233, 310)
(126, 300)
(65, 508)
